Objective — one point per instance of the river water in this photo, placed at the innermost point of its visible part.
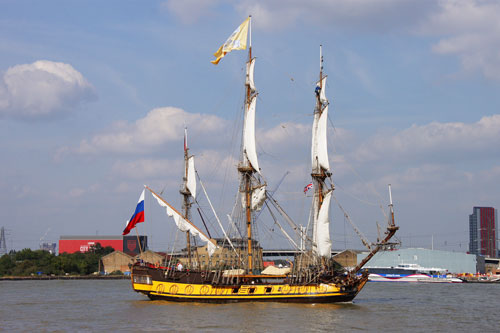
(96, 305)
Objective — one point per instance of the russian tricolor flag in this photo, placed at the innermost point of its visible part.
(138, 216)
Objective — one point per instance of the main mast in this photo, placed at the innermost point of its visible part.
(252, 195)
(248, 163)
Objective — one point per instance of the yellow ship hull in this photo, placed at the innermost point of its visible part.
(185, 292)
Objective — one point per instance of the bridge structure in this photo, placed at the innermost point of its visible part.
(288, 253)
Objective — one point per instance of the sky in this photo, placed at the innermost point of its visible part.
(95, 95)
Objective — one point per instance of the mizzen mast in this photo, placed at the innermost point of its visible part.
(320, 171)
(390, 231)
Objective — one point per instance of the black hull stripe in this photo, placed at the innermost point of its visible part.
(230, 299)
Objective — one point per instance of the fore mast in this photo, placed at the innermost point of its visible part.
(188, 191)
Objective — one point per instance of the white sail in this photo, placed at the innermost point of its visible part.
(191, 177)
(315, 204)
(243, 200)
(184, 225)
(314, 144)
(258, 198)
(249, 135)
(323, 242)
(249, 78)
(321, 137)
(322, 94)
(319, 148)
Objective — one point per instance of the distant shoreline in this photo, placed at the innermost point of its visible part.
(64, 277)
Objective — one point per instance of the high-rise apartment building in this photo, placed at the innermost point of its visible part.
(483, 231)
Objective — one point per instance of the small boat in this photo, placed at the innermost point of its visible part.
(410, 273)
(314, 277)
(482, 279)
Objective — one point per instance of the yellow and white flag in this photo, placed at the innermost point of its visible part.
(237, 41)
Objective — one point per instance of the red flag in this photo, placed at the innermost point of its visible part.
(308, 187)
(137, 217)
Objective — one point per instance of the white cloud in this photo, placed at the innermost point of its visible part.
(379, 15)
(440, 140)
(472, 32)
(76, 192)
(205, 161)
(23, 191)
(287, 147)
(428, 176)
(160, 126)
(285, 135)
(172, 169)
(147, 168)
(420, 161)
(468, 29)
(42, 89)
(428, 184)
(374, 15)
(79, 191)
(289, 136)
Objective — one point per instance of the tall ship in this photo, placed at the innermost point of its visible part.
(313, 276)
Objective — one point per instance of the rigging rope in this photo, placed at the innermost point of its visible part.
(281, 228)
(213, 210)
(364, 240)
(370, 186)
(173, 247)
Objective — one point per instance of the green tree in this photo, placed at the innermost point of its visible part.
(6, 264)
(27, 262)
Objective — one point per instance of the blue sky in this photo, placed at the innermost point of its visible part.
(94, 97)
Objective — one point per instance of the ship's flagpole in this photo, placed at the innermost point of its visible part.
(137, 232)
(320, 61)
(138, 239)
(250, 31)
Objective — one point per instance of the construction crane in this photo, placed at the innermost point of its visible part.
(47, 246)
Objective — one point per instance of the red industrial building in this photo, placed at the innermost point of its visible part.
(127, 244)
(483, 232)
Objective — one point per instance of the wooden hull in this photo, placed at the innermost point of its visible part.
(179, 287)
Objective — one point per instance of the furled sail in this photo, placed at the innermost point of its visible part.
(314, 144)
(322, 140)
(315, 209)
(258, 198)
(184, 225)
(249, 78)
(322, 236)
(319, 149)
(322, 94)
(249, 135)
(191, 177)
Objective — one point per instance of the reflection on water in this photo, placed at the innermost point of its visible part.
(112, 305)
